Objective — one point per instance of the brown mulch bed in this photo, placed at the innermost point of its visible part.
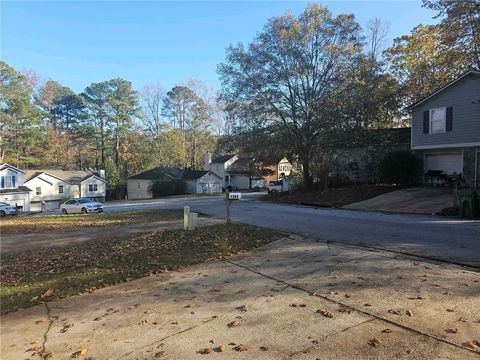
(337, 197)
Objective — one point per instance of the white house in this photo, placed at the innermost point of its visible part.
(230, 168)
(12, 189)
(56, 186)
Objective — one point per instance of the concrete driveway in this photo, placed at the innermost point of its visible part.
(292, 299)
(416, 200)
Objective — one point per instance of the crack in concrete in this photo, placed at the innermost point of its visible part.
(325, 337)
(418, 332)
(45, 335)
(169, 336)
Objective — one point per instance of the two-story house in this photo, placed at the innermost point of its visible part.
(446, 128)
(12, 189)
(230, 168)
(53, 187)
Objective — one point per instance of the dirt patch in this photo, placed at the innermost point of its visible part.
(332, 197)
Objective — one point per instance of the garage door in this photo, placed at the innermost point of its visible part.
(448, 163)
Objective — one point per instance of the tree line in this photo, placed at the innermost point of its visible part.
(296, 89)
(107, 126)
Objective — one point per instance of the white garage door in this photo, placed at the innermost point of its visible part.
(448, 163)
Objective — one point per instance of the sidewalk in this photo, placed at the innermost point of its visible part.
(293, 299)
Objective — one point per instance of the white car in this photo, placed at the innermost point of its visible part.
(82, 206)
(6, 209)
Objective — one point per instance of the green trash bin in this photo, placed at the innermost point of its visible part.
(468, 203)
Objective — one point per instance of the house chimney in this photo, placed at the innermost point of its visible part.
(208, 161)
(101, 172)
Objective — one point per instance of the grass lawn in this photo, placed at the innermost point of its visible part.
(337, 197)
(32, 224)
(30, 278)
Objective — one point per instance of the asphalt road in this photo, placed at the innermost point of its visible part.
(448, 239)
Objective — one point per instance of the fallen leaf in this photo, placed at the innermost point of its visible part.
(396, 312)
(387, 331)
(375, 342)
(367, 304)
(205, 351)
(264, 348)
(219, 349)
(463, 319)
(160, 353)
(242, 347)
(243, 308)
(451, 331)
(49, 292)
(156, 322)
(234, 323)
(409, 313)
(325, 313)
(80, 352)
(48, 355)
(450, 310)
(472, 344)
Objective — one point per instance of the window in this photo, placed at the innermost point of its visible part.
(60, 189)
(8, 181)
(437, 120)
(92, 187)
(38, 190)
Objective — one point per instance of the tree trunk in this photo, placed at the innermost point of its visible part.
(307, 175)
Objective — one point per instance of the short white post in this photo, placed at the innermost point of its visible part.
(186, 217)
(192, 224)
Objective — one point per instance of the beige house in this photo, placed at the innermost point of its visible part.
(230, 168)
(53, 187)
(165, 181)
(284, 168)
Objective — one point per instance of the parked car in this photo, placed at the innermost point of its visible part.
(6, 209)
(275, 186)
(82, 206)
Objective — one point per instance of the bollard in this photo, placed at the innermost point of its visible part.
(192, 223)
(186, 216)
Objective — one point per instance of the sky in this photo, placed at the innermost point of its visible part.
(77, 43)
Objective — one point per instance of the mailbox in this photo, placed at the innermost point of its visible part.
(234, 196)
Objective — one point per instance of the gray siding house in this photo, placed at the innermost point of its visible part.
(172, 181)
(446, 128)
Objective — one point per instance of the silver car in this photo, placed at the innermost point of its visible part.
(7, 209)
(81, 206)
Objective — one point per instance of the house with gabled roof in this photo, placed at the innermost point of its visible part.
(446, 129)
(165, 181)
(233, 170)
(49, 188)
(12, 188)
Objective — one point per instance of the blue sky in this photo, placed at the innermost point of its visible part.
(77, 43)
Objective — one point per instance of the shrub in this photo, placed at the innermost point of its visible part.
(399, 167)
(166, 188)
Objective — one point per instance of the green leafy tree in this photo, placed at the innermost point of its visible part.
(96, 97)
(20, 121)
(459, 26)
(422, 62)
(290, 76)
(123, 103)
